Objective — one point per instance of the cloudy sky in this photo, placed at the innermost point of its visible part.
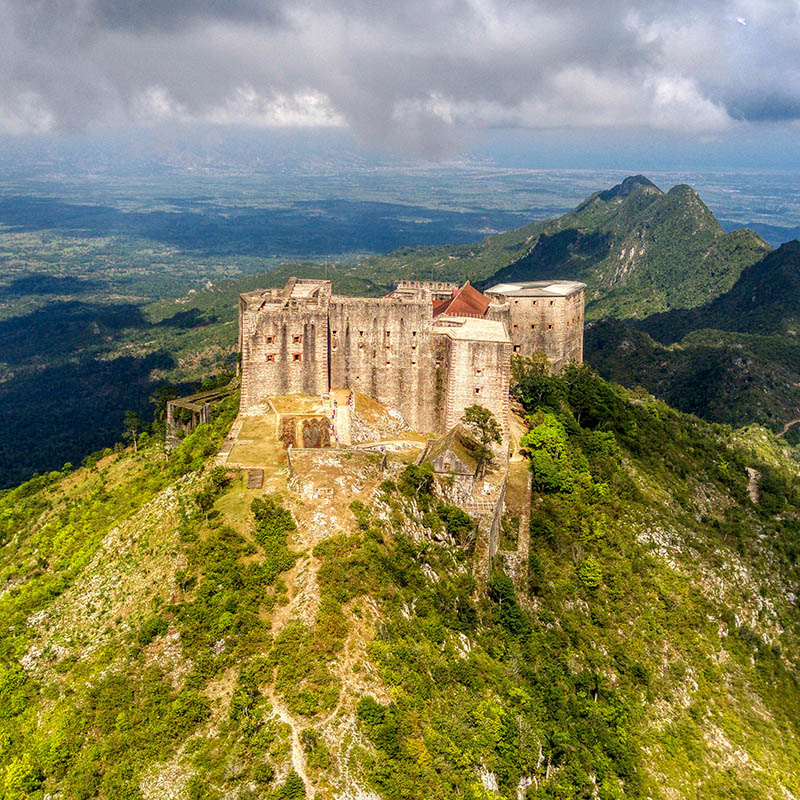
(414, 76)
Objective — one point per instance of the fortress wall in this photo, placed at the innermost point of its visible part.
(500, 312)
(478, 374)
(440, 376)
(549, 325)
(302, 339)
(382, 348)
(284, 350)
(573, 339)
(440, 290)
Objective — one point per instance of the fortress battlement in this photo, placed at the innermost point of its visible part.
(429, 349)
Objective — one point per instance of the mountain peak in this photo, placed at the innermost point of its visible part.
(628, 187)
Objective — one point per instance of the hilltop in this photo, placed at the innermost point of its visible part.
(70, 369)
(165, 636)
(640, 250)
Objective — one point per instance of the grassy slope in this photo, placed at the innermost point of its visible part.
(650, 652)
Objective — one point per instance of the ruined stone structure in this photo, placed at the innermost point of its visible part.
(429, 349)
(184, 414)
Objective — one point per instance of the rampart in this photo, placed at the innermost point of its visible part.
(429, 350)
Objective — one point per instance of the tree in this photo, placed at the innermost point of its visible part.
(205, 500)
(533, 383)
(132, 424)
(482, 424)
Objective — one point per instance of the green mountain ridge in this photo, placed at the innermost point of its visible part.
(764, 300)
(639, 250)
(162, 635)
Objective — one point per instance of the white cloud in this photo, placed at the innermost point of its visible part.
(27, 113)
(302, 109)
(411, 74)
(154, 104)
(678, 105)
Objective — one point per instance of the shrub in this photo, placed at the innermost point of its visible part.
(417, 482)
(151, 628)
(590, 574)
(512, 617)
(273, 522)
(293, 787)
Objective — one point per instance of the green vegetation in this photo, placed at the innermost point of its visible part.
(639, 251)
(734, 360)
(581, 688)
(647, 647)
(481, 423)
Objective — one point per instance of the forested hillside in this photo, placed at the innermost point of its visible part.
(640, 251)
(166, 632)
(735, 359)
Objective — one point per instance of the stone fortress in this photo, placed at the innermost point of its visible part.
(428, 350)
(339, 393)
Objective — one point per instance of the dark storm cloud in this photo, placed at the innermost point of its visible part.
(407, 74)
(771, 107)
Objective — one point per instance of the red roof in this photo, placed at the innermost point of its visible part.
(440, 305)
(466, 302)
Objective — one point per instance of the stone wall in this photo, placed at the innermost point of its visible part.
(284, 349)
(478, 373)
(383, 348)
(440, 290)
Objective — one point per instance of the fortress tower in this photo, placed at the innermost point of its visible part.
(544, 317)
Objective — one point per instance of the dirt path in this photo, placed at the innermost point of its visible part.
(789, 425)
(516, 430)
(298, 754)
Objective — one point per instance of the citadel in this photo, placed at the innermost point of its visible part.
(331, 383)
(428, 350)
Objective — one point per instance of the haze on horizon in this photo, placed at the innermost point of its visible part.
(559, 83)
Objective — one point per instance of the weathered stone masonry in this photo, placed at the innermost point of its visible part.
(429, 349)
(544, 317)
